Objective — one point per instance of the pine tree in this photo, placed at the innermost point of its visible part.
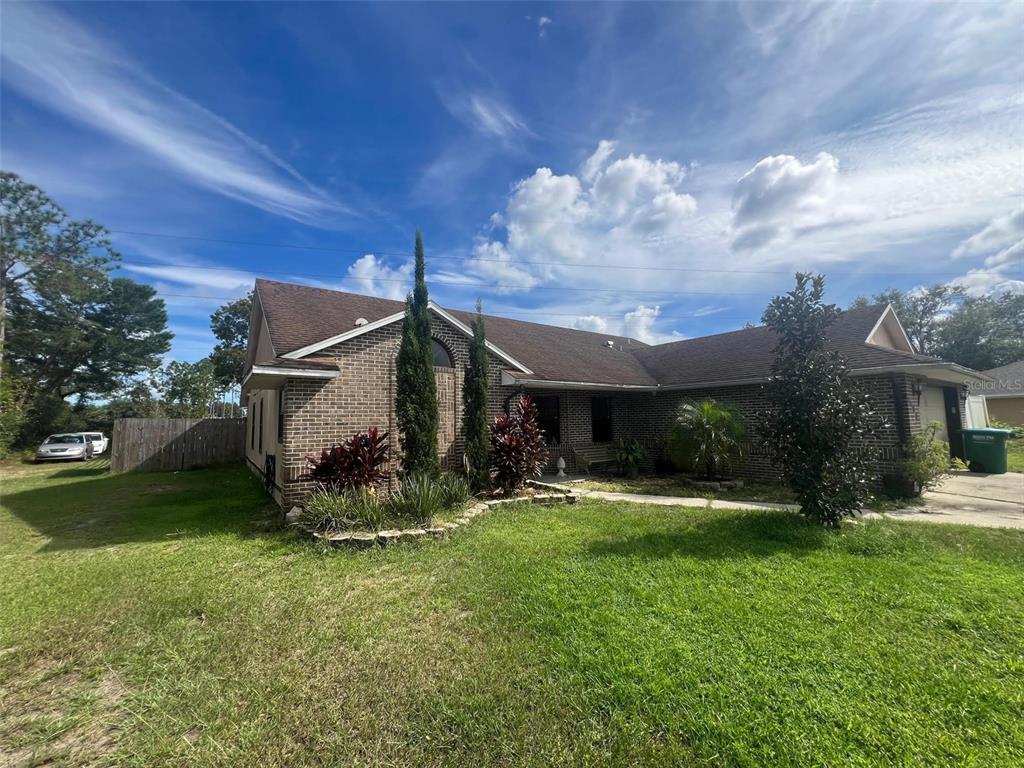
(415, 388)
(474, 407)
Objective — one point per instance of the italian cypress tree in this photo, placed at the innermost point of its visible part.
(415, 388)
(474, 407)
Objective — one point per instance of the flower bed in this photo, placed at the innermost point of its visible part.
(356, 539)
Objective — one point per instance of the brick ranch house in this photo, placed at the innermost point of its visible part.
(321, 366)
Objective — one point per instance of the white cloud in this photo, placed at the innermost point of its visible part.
(54, 61)
(597, 161)
(484, 113)
(595, 323)
(542, 22)
(639, 324)
(610, 211)
(782, 198)
(1001, 232)
(370, 275)
(1001, 242)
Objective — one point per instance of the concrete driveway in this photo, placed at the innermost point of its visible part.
(994, 501)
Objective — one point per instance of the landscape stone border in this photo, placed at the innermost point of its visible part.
(368, 539)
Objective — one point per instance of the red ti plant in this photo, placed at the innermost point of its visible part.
(517, 447)
(359, 462)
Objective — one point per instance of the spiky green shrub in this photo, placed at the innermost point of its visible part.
(330, 509)
(454, 488)
(416, 500)
(706, 436)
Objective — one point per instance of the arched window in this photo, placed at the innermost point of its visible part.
(441, 357)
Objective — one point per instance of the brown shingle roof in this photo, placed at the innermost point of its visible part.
(299, 316)
(748, 353)
(1007, 380)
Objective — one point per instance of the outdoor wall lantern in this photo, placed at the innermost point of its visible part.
(918, 388)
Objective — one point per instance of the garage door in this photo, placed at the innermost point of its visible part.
(933, 408)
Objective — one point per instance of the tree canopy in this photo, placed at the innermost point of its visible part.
(980, 332)
(230, 325)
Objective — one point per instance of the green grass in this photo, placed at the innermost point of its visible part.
(159, 620)
(1015, 455)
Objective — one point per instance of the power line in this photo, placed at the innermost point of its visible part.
(586, 265)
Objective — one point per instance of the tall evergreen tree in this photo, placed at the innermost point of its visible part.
(474, 407)
(415, 388)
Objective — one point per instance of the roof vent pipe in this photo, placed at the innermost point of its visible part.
(610, 344)
(362, 321)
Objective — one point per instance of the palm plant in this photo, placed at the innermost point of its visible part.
(706, 435)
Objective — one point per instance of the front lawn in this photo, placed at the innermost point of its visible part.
(155, 620)
(1015, 455)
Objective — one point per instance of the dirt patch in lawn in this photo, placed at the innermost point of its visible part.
(51, 712)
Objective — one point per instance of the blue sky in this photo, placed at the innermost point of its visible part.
(655, 170)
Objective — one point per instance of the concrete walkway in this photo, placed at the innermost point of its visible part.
(679, 501)
(965, 498)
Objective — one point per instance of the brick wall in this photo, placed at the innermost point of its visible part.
(319, 413)
(647, 417)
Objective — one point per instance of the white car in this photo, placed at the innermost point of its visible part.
(99, 441)
(66, 446)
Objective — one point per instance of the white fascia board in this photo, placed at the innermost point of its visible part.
(509, 380)
(357, 331)
(301, 373)
(469, 332)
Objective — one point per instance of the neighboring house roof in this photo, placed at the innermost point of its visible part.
(303, 320)
(1007, 381)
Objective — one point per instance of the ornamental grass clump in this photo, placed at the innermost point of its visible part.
(330, 509)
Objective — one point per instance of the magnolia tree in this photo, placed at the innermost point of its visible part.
(517, 447)
(817, 418)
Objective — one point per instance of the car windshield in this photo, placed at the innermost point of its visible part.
(94, 436)
(77, 439)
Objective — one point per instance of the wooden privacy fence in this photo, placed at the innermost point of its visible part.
(152, 445)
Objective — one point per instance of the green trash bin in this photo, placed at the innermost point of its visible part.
(985, 449)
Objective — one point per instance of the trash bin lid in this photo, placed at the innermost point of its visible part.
(985, 431)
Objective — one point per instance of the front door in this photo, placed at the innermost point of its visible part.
(952, 407)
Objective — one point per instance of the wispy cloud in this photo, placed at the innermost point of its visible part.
(56, 62)
(484, 113)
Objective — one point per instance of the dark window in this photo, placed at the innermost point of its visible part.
(252, 423)
(601, 418)
(547, 417)
(280, 415)
(261, 425)
(441, 357)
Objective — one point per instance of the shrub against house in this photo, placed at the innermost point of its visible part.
(322, 363)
